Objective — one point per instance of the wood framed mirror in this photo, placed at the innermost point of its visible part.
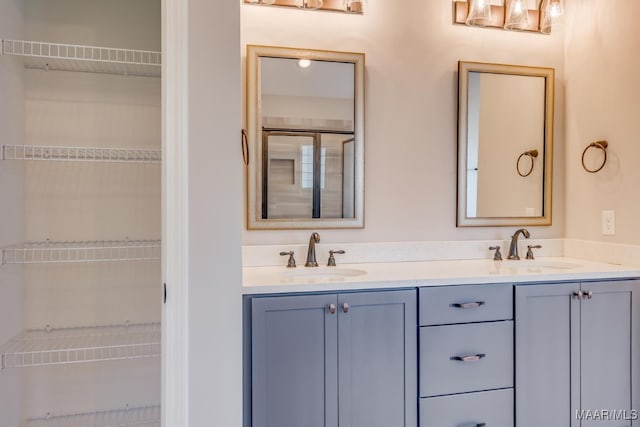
(505, 144)
(305, 129)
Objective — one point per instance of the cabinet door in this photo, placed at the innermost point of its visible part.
(609, 355)
(294, 362)
(377, 359)
(547, 323)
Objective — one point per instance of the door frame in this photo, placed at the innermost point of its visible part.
(175, 212)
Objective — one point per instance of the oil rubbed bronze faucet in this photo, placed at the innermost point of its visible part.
(513, 248)
(311, 252)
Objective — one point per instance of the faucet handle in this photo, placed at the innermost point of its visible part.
(530, 252)
(292, 262)
(332, 260)
(498, 255)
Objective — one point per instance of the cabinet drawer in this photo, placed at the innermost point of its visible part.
(490, 408)
(466, 358)
(447, 305)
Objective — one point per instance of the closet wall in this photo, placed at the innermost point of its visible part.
(83, 201)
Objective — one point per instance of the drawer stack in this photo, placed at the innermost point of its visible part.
(466, 356)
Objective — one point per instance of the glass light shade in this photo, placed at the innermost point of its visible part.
(309, 4)
(517, 16)
(262, 1)
(550, 13)
(479, 13)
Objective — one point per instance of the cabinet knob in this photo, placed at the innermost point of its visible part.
(589, 294)
(345, 307)
(332, 308)
(578, 294)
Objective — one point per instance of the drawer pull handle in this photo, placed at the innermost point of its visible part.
(481, 425)
(470, 358)
(475, 304)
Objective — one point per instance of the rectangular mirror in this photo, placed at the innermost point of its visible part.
(505, 144)
(305, 124)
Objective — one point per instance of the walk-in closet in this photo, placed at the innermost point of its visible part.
(80, 214)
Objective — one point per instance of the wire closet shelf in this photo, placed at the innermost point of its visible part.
(50, 252)
(83, 344)
(80, 154)
(141, 416)
(82, 58)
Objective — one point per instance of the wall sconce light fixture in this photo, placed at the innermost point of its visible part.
(345, 6)
(511, 15)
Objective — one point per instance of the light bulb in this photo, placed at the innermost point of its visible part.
(517, 7)
(555, 9)
(304, 63)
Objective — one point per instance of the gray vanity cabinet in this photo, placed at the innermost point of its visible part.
(466, 356)
(577, 351)
(294, 343)
(330, 360)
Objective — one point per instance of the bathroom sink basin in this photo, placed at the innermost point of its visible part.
(543, 265)
(321, 274)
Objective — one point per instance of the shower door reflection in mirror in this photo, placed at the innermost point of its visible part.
(307, 175)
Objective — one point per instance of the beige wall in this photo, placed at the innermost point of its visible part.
(508, 126)
(603, 102)
(411, 109)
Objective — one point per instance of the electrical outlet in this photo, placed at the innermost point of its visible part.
(609, 223)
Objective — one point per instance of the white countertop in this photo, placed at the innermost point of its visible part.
(266, 280)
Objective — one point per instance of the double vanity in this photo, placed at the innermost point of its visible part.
(455, 343)
(410, 341)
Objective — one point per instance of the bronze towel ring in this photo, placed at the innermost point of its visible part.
(600, 145)
(532, 154)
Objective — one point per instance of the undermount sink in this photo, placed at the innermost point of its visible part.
(542, 264)
(321, 273)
